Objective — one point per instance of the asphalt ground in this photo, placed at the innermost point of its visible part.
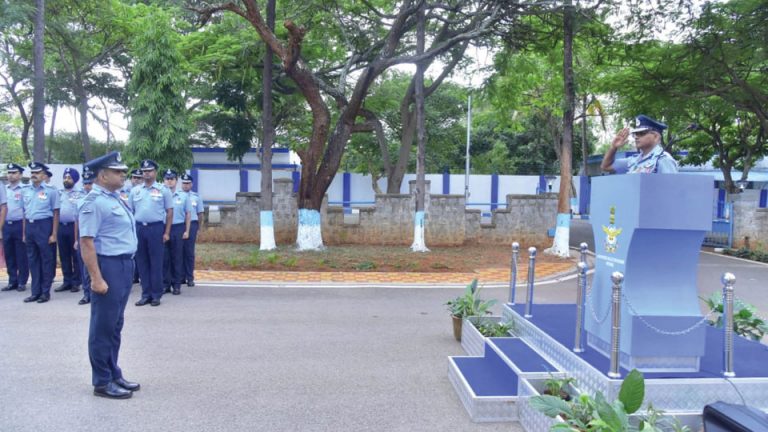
(240, 358)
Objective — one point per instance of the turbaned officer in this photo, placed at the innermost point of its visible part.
(108, 243)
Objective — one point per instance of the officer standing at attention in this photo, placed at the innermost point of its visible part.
(173, 262)
(652, 158)
(136, 179)
(3, 206)
(152, 206)
(198, 208)
(68, 256)
(108, 242)
(40, 226)
(47, 180)
(15, 251)
(86, 278)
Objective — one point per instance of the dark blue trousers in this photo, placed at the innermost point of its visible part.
(85, 277)
(189, 252)
(68, 256)
(173, 263)
(40, 255)
(15, 253)
(149, 258)
(107, 318)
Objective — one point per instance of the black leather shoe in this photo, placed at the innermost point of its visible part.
(167, 290)
(75, 288)
(142, 302)
(155, 303)
(135, 281)
(112, 391)
(21, 288)
(130, 386)
(176, 290)
(9, 288)
(43, 299)
(31, 299)
(84, 300)
(190, 283)
(61, 288)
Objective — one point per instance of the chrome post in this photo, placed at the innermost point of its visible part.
(513, 272)
(728, 281)
(581, 282)
(617, 278)
(583, 256)
(531, 273)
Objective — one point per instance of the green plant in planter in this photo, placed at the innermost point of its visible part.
(746, 323)
(557, 387)
(588, 413)
(469, 303)
(493, 329)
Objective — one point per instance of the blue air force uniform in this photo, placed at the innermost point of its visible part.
(84, 276)
(198, 207)
(656, 161)
(150, 205)
(13, 236)
(41, 211)
(68, 256)
(106, 220)
(173, 263)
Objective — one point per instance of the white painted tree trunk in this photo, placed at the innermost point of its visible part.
(267, 238)
(309, 236)
(561, 245)
(419, 245)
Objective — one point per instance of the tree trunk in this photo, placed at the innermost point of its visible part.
(419, 237)
(561, 244)
(82, 107)
(26, 125)
(266, 220)
(38, 106)
(395, 177)
(584, 144)
(53, 121)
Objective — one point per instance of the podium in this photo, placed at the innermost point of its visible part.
(649, 227)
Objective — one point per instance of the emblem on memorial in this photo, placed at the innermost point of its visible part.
(611, 233)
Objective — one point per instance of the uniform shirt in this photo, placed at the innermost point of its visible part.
(15, 202)
(181, 205)
(69, 199)
(656, 161)
(39, 202)
(197, 204)
(106, 218)
(3, 193)
(125, 193)
(150, 203)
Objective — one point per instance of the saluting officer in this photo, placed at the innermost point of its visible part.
(86, 278)
(40, 226)
(16, 263)
(153, 208)
(198, 208)
(173, 263)
(108, 242)
(68, 256)
(647, 134)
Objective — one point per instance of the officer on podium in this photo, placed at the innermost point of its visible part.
(108, 243)
(652, 157)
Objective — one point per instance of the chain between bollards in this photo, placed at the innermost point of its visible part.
(728, 280)
(617, 278)
(513, 272)
(581, 282)
(531, 274)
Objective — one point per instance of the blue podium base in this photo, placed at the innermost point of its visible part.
(646, 364)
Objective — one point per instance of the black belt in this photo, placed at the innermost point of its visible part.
(149, 223)
(121, 256)
(38, 220)
(11, 222)
(66, 223)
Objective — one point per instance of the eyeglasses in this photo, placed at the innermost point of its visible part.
(640, 133)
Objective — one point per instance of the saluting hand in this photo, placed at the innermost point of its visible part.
(620, 139)
(99, 286)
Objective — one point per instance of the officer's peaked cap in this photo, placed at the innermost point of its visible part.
(12, 167)
(186, 178)
(644, 123)
(38, 166)
(111, 160)
(170, 174)
(148, 165)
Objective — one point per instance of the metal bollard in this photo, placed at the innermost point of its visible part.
(728, 281)
(583, 257)
(617, 278)
(513, 272)
(531, 273)
(581, 281)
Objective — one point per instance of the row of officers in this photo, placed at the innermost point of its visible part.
(37, 220)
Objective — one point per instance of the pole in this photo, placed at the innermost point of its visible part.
(469, 141)
(583, 257)
(513, 272)
(617, 278)
(728, 281)
(531, 273)
(578, 345)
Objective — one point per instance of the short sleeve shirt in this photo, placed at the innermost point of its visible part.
(39, 202)
(197, 205)
(181, 206)
(15, 202)
(149, 204)
(108, 220)
(69, 199)
(656, 161)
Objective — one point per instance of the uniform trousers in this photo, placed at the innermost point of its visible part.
(189, 252)
(15, 251)
(173, 264)
(68, 256)
(107, 312)
(40, 255)
(149, 258)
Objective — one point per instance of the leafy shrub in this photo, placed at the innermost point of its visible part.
(493, 328)
(469, 303)
(754, 255)
(365, 265)
(746, 323)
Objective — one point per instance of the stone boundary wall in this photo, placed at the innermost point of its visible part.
(389, 221)
(749, 221)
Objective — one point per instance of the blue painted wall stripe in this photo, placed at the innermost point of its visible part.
(446, 181)
(494, 190)
(223, 150)
(233, 166)
(542, 184)
(585, 192)
(194, 172)
(296, 176)
(243, 180)
(347, 189)
(764, 198)
(720, 203)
